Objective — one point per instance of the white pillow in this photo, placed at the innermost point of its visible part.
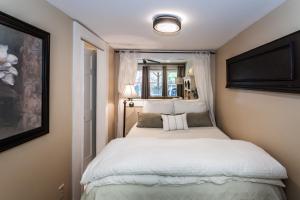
(174, 122)
(159, 106)
(189, 106)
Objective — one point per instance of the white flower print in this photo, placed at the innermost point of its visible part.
(7, 71)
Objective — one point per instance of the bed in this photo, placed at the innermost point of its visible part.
(200, 163)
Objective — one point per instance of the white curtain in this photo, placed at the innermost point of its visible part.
(127, 73)
(201, 64)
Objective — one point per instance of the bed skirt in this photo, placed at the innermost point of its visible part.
(208, 191)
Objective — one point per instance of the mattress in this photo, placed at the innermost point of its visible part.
(195, 132)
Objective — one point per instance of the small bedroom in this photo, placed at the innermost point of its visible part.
(149, 100)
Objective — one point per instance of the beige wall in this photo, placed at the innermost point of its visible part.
(131, 117)
(116, 92)
(111, 95)
(34, 170)
(268, 119)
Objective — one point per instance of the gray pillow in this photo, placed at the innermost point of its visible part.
(149, 120)
(198, 119)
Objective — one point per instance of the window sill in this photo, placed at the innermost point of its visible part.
(138, 102)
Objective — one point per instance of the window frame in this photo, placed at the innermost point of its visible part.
(156, 68)
(146, 68)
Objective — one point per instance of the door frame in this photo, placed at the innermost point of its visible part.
(80, 33)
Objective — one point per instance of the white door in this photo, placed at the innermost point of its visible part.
(90, 66)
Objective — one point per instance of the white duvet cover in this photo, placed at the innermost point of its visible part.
(150, 161)
(191, 133)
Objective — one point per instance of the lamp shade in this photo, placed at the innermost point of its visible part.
(190, 72)
(129, 92)
(179, 81)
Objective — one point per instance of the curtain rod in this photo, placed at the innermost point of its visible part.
(166, 51)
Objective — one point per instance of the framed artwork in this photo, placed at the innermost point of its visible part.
(24, 82)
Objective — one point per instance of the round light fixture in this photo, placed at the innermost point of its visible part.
(166, 24)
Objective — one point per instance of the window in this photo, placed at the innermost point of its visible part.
(159, 81)
(155, 82)
(138, 82)
(171, 82)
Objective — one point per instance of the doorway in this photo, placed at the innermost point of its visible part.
(90, 99)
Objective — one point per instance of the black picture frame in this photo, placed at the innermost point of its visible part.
(22, 137)
(274, 67)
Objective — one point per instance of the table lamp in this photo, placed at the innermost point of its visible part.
(128, 93)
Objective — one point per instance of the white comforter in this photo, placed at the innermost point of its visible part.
(181, 161)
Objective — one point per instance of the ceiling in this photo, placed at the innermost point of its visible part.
(206, 24)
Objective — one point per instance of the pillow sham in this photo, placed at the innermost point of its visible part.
(174, 122)
(201, 119)
(158, 106)
(149, 120)
(189, 106)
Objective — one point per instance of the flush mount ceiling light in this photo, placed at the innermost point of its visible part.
(166, 24)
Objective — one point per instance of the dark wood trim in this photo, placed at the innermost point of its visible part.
(165, 82)
(161, 97)
(166, 64)
(145, 82)
(124, 118)
(24, 27)
(165, 51)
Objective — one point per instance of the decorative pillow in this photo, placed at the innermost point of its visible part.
(198, 119)
(149, 120)
(158, 106)
(189, 106)
(174, 122)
